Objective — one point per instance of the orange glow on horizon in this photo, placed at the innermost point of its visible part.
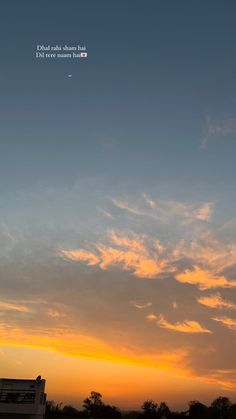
(70, 379)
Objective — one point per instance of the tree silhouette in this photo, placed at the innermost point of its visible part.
(221, 407)
(150, 408)
(164, 411)
(94, 408)
(197, 410)
(52, 407)
(92, 405)
(70, 410)
(232, 412)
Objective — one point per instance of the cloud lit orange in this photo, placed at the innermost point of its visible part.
(226, 321)
(130, 254)
(187, 326)
(216, 301)
(204, 279)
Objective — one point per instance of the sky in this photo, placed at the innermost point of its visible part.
(117, 209)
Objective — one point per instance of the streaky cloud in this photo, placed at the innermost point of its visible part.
(151, 317)
(126, 252)
(149, 200)
(140, 305)
(4, 305)
(204, 279)
(187, 326)
(226, 321)
(216, 301)
(82, 255)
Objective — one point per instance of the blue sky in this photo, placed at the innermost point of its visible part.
(156, 77)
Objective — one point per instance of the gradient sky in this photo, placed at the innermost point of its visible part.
(117, 209)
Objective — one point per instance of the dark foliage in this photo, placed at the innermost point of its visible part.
(94, 408)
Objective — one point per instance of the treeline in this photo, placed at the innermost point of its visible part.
(94, 408)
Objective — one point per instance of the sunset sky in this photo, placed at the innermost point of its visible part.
(117, 209)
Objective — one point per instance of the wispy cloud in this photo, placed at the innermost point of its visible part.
(149, 200)
(151, 317)
(204, 279)
(140, 305)
(166, 209)
(106, 213)
(189, 210)
(54, 313)
(209, 252)
(216, 128)
(226, 321)
(216, 301)
(14, 307)
(147, 256)
(187, 326)
(126, 252)
(205, 212)
(141, 265)
(119, 203)
(74, 343)
(224, 377)
(133, 242)
(81, 255)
